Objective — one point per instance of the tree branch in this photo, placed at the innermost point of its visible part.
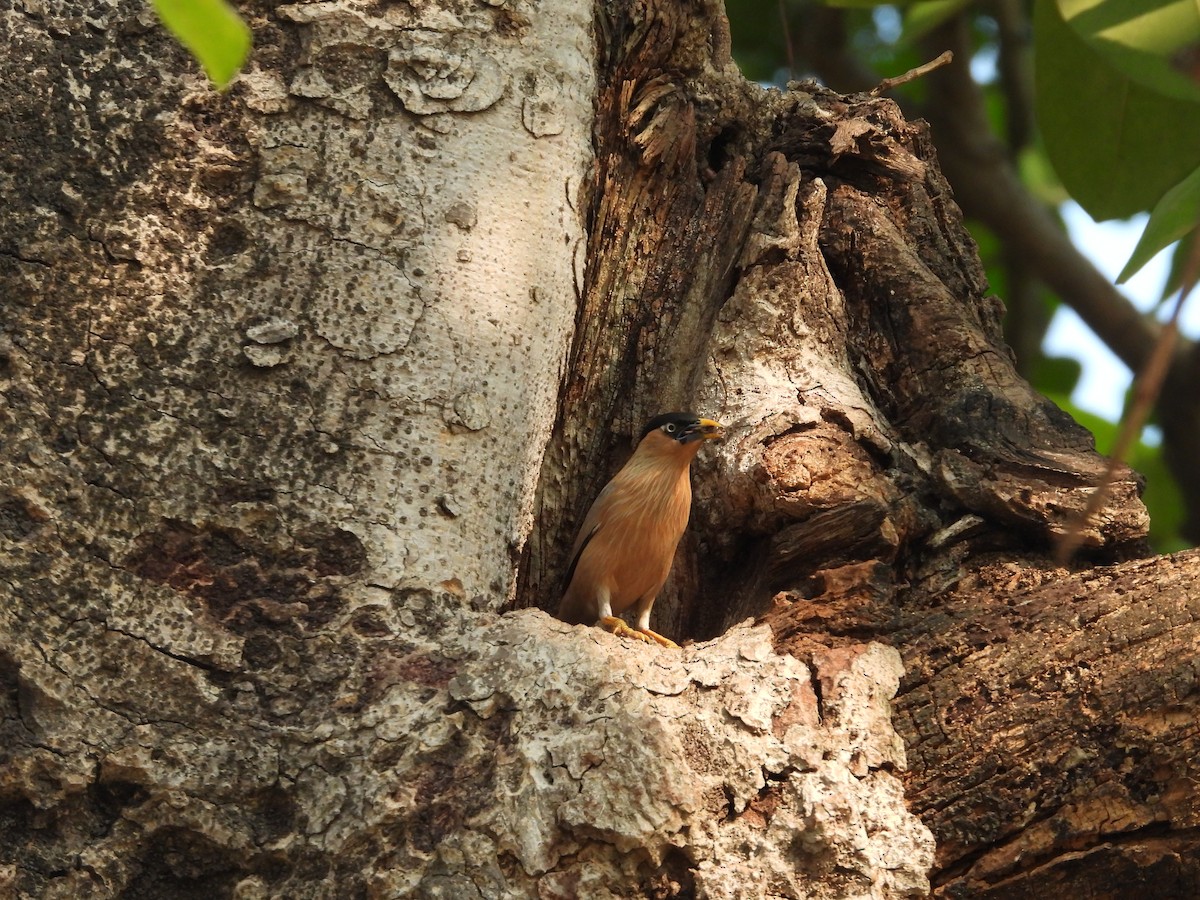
(988, 188)
(1014, 66)
(1061, 718)
(912, 74)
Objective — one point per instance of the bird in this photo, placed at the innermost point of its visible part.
(624, 550)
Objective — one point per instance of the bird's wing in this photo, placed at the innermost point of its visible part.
(591, 524)
(581, 543)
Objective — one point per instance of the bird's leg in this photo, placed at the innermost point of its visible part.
(643, 622)
(621, 628)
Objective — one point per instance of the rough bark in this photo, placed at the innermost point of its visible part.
(1050, 717)
(980, 164)
(840, 322)
(185, 267)
(251, 643)
(1052, 724)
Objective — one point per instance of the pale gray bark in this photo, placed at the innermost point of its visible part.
(290, 374)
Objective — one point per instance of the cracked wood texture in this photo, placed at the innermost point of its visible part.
(304, 384)
(1052, 727)
(793, 264)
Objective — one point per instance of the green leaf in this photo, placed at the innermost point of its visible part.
(1141, 38)
(1174, 216)
(1117, 146)
(1056, 376)
(921, 18)
(1179, 263)
(212, 31)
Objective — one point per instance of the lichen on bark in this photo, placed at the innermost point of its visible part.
(279, 370)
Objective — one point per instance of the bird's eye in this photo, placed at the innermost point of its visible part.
(669, 428)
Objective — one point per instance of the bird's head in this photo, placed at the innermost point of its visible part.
(679, 430)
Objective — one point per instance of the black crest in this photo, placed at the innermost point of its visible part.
(683, 420)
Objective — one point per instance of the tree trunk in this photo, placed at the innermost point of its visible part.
(1052, 731)
(305, 384)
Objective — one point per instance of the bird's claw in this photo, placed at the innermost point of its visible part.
(621, 628)
(658, 639)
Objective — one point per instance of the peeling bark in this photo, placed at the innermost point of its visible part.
(280, 372)
(1049, 716)
(1052, 722)
(842, 318)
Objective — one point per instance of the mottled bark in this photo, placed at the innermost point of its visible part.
(271, 433)
(267, 404)
(879, 428)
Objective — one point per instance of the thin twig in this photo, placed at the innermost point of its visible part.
(1148, 385)
(912, 74)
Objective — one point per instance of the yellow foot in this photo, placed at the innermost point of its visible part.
(621, 628)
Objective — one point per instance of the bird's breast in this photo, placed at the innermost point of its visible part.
(633, 550)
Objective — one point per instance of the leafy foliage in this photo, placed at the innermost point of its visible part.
(1173, 218)
(1103, 127)
(1141, 38)
(213, 33)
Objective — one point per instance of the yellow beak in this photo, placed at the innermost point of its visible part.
(711, 430)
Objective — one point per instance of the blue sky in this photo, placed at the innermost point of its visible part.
(1102, 386)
